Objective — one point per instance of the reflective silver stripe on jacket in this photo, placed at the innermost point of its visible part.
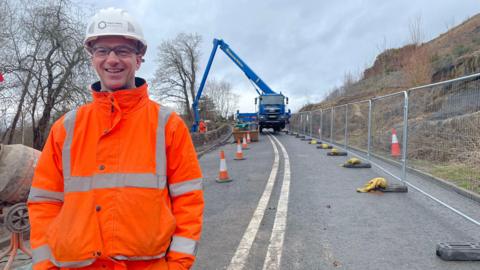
(40, 254)
(160, 151)
(69, 124)
(139, 258)
(73, 264)
(42, 195)
(185, 187)
(113, 180)
(43, 253)
(183, 245)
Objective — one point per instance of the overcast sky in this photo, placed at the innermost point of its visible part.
(299, 48)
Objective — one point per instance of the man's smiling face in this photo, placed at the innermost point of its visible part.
(116, 69)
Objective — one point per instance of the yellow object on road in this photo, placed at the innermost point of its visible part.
(373, 184)
(354, 161)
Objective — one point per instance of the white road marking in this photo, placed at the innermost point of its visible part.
(274, 251)
(243, 249)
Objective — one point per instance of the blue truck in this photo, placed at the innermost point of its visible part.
(272, 112)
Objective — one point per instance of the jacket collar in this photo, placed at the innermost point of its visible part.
(126, 100)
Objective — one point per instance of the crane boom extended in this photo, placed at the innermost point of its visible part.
(261, 87)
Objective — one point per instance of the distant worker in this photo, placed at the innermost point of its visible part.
(202, 127)
(118, 185)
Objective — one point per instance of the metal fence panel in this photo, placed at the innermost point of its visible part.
(444, 122)
(294, 122)
(326, 124)
(339, 115)
(316, 119)
(303, 124)
(387, 122)
(357, 133)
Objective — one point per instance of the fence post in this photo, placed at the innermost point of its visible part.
(321, 124)
(300, 126)
(305, 124)
(369, 142)
(346, 125)
(331, 124)
(311, 121)
(405, 137)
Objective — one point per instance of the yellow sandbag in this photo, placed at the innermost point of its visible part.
(373, 184)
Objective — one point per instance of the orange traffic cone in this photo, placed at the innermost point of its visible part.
(244, 143)
(395, 144)
(223, 173)
(248, 137)
(239, 153)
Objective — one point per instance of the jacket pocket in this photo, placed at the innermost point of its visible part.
(145, 222)
(74, 234)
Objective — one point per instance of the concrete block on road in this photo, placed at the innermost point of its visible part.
(395, 188)
(357, 166)
(459, 251)
(333, 154)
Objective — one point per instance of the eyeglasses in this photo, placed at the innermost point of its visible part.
(120, 51)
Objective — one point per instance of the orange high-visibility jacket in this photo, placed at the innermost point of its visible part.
(118, 183)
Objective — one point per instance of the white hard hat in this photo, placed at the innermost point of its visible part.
(114, 22)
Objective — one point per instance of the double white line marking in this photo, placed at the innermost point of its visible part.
(274, 251)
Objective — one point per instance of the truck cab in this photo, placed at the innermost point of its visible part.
(271, 111)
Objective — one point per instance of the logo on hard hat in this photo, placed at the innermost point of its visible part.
(102, 25)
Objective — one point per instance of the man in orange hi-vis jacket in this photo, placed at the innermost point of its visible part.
(118, 185)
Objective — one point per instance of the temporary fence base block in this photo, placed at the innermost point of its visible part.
(223, 181)
(394, 188)
(459, 251)
(328, 147)
(306, 139)
(337, 154)
(358, 166)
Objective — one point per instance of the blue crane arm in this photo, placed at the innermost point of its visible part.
(242, 65)
(245, 68)
(196, 113)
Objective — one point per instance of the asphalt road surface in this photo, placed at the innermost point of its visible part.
(290, 206)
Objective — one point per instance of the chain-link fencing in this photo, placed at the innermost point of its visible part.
(444, 121)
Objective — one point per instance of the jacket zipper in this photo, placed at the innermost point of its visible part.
(112, 111)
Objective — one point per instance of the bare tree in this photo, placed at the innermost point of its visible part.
(416, 31)
(175, 78)
(418, 69)
(207, 108)
(47, 63)
(222, 96)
